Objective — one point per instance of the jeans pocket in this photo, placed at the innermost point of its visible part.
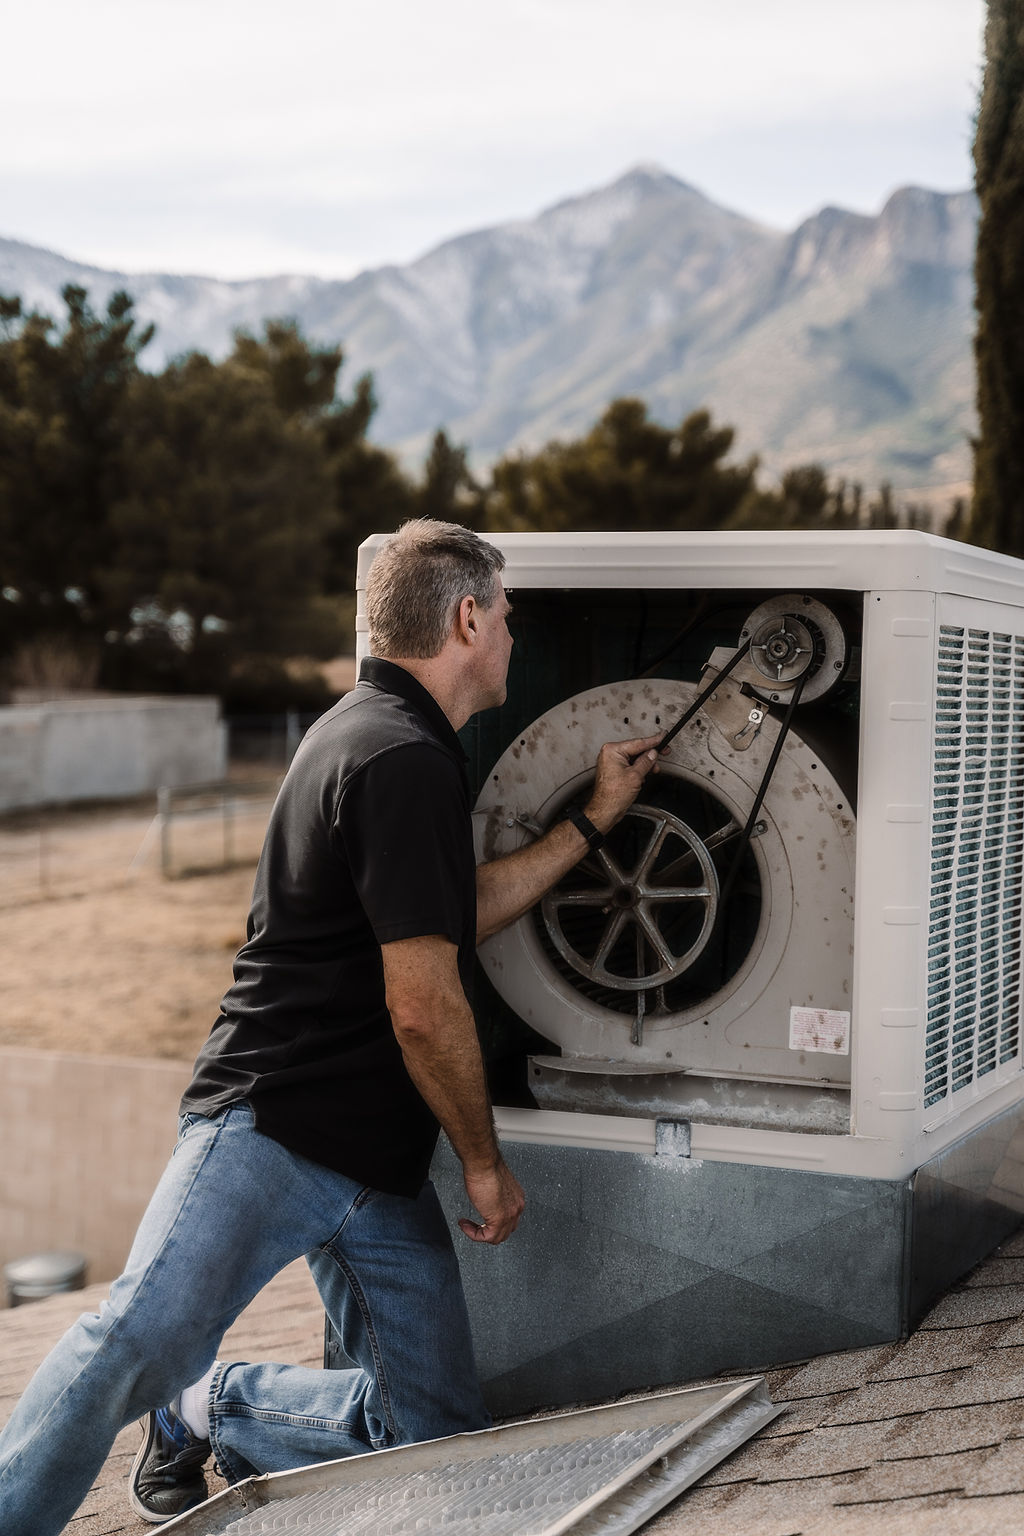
(186, 1122)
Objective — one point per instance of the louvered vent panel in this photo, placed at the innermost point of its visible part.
(974, 937)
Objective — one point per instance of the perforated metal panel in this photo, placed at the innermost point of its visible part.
(599, 1472)
(462, 1498)
(974, 936)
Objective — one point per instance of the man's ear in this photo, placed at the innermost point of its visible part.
(466, 620)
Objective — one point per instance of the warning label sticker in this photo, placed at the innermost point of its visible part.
(819, 1029)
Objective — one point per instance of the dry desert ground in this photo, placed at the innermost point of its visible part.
(103, 954)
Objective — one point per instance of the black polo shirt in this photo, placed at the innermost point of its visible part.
(369, 841)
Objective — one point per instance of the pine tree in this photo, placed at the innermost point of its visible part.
(367, 492)
(626, 472)
(448, 490)
(63, 398)
(220, 535)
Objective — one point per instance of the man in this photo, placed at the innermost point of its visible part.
(311, 1119)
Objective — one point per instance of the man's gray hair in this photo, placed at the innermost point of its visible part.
(417, 581)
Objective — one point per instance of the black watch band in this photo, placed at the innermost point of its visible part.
(585, 827)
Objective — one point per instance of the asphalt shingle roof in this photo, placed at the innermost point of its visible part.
(915, 1438)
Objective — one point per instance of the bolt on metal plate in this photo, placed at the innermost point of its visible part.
(672, 1138)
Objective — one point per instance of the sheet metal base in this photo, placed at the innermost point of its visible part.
(632, 1272)
(964, 1202)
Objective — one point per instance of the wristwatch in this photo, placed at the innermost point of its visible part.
(585, 827)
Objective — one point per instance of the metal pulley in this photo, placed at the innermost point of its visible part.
(793, 650)
(793, 637)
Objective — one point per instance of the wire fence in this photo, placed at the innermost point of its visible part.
(209, 827)
(267, 741)
(48, 854)
(69, 851)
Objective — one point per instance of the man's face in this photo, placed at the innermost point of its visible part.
(495, 647)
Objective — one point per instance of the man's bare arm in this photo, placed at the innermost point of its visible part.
(510, 886)
(434, 1026)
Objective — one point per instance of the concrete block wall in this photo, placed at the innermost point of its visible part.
(83, 1141)
(95, 749)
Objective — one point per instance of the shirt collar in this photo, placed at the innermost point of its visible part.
(391, 678)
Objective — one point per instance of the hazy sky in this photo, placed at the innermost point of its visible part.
(239, 137)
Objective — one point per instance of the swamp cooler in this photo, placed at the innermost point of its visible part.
(757, 1060)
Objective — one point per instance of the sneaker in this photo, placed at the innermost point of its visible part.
(166, 1476)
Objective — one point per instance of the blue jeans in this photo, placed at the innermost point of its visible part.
(232, 1209)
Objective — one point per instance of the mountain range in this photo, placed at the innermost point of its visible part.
(846, 341)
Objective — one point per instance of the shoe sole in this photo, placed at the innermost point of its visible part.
(148, 1427)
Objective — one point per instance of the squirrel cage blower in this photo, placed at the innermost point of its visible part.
(725, 891)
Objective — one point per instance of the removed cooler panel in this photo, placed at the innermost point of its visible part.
(603, 1472)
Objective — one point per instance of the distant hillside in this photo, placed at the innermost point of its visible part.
(847, 341)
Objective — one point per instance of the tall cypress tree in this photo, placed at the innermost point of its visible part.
(997, 515)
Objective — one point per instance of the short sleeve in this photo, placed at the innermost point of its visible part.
(404, 822)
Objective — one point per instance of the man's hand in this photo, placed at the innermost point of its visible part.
(508, 887)
(622, 767)
(496, 1194)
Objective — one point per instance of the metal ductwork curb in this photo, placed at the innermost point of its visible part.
(596, 1472)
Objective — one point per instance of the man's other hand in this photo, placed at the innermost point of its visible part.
(494, 1192)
